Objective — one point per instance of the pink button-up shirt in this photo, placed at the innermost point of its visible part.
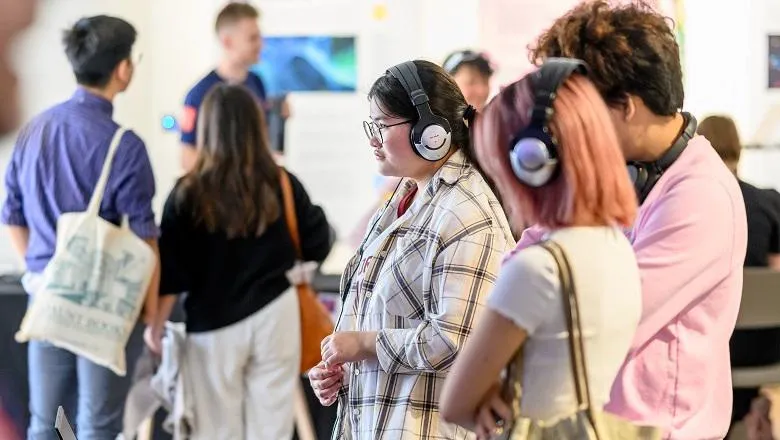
(690, 238)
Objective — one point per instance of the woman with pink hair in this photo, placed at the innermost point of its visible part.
(548, 143)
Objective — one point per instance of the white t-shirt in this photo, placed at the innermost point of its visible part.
(606, 279)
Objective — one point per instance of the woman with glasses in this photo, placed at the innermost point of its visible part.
(418, 280)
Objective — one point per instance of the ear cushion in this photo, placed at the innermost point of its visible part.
(431, 138)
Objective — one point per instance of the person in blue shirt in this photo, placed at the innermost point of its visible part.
(54, 168)
(239, 36)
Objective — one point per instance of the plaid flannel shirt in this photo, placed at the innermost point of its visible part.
(420, 283)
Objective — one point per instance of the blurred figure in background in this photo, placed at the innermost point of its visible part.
(54, 169)
(472, 72)
(224, 240)
(754, 347)
(15, 16)
(240, 39)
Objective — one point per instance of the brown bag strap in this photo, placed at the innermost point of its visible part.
(573, 324)
(289, 211)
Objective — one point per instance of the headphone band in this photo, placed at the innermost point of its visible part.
(406, 74)
(545, 83)
(687, 132)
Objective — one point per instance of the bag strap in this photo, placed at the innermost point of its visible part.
(100, 186)
(289, 211)
(573, 324)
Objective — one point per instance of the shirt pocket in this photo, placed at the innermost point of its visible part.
(402, 283)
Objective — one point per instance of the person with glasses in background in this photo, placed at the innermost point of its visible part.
(472, 72)
(53, 170)
(418, 281)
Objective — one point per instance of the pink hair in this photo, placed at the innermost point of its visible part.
(592, 186)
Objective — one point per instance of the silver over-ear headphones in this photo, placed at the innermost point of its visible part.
(533, 152)
(431, 134)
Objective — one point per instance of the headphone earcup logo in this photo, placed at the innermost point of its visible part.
(434, 142)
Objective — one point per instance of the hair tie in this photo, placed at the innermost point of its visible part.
(469, 113)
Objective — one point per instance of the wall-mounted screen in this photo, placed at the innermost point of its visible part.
(307, 64)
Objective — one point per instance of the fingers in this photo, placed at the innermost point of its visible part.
(501, 408)
(332, 358)
(486, 423)
(321, 371)
(328, 381)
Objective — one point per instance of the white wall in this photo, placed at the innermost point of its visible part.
(726, 61)
(326, 147)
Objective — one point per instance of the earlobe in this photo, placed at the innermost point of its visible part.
(629, 110)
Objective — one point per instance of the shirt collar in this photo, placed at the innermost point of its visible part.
(452, 170)
(91, 100)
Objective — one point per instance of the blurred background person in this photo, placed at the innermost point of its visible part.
(224, 240)
(15, 16)
(472, 72)
(241, 42)
(54, 168)
(754, 347)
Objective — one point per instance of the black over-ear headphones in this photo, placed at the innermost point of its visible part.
(533, 152)
(646, 174)
(431, 134)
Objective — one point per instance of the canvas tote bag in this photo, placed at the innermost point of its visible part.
(95, 284)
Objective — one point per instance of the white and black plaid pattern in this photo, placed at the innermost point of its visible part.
(421, 285)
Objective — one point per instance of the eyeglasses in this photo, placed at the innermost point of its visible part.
(374, 129)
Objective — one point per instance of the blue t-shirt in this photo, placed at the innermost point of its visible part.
(189, 122)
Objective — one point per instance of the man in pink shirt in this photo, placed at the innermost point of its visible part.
(690, 235)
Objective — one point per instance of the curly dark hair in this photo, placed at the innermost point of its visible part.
(630, 49)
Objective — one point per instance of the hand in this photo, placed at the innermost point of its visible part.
(153, 335)
(491, 408)
(757, 422)
(326, 382)
(343, 347)
(284, 109)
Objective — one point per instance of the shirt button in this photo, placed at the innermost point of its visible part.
(357, 372)
(355, 412)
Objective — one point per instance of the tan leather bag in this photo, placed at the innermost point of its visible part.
(316, 322)
(588, 422)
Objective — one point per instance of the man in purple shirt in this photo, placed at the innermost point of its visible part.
(54, 169)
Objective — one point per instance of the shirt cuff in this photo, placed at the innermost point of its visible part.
(13, 218)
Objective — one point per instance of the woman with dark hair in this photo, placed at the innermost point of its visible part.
(224, 240)
(419, 279)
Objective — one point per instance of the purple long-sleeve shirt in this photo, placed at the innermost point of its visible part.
(54, 168)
